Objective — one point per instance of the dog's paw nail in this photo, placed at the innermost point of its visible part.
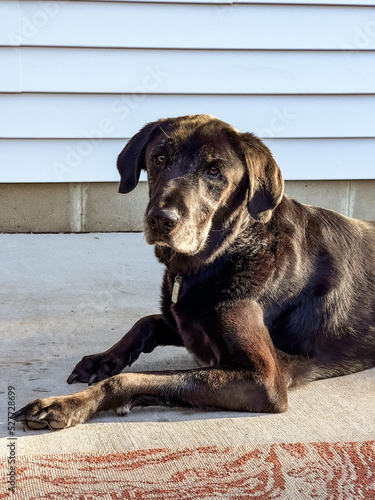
(72, 378)
(35, 425)
(56, 425)
(93, 379)
(18, 416)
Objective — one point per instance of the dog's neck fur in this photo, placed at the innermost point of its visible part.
(217, 244)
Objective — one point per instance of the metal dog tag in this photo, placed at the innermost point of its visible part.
(176, 288)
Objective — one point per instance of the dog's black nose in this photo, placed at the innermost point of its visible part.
(162, 220)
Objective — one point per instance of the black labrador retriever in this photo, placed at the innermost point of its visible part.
(267, 293)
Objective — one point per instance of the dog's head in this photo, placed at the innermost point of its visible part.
(203, 176)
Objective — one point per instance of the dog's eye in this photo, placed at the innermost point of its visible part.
(213, 171)
(159, 160)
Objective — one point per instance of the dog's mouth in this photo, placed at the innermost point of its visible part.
(183, 239)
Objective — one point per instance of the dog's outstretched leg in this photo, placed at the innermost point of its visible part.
(225, 388)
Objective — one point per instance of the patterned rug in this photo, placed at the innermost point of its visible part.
(329, 471)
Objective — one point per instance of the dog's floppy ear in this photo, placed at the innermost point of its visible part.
(131, 160)
(266, 184)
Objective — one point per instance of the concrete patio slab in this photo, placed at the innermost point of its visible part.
(66, 295)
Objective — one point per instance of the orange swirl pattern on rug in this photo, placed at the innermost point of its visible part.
(329, 471)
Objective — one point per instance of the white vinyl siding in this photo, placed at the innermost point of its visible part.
(55, 116)
(200, 26)
(80, 78)
(191, 71)
(85, 160)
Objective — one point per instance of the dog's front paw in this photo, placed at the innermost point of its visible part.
(53, 413)
(96, 367)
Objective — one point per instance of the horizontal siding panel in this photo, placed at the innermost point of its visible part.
(59, 160)
(325, 159)
(265, 2)
(94, 161)
(189, 71)
(301, 2)
(118, 116)
(239, 26)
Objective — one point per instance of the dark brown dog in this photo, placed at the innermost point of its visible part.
(267, 293)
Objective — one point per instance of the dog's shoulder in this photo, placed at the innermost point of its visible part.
(321, 224)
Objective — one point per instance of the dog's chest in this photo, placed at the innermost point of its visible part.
(191, 304)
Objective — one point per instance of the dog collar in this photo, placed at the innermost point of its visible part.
(176, 288)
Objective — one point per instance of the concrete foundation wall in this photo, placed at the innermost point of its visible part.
(98, 207)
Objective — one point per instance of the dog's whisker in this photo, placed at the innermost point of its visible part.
(164, 132)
